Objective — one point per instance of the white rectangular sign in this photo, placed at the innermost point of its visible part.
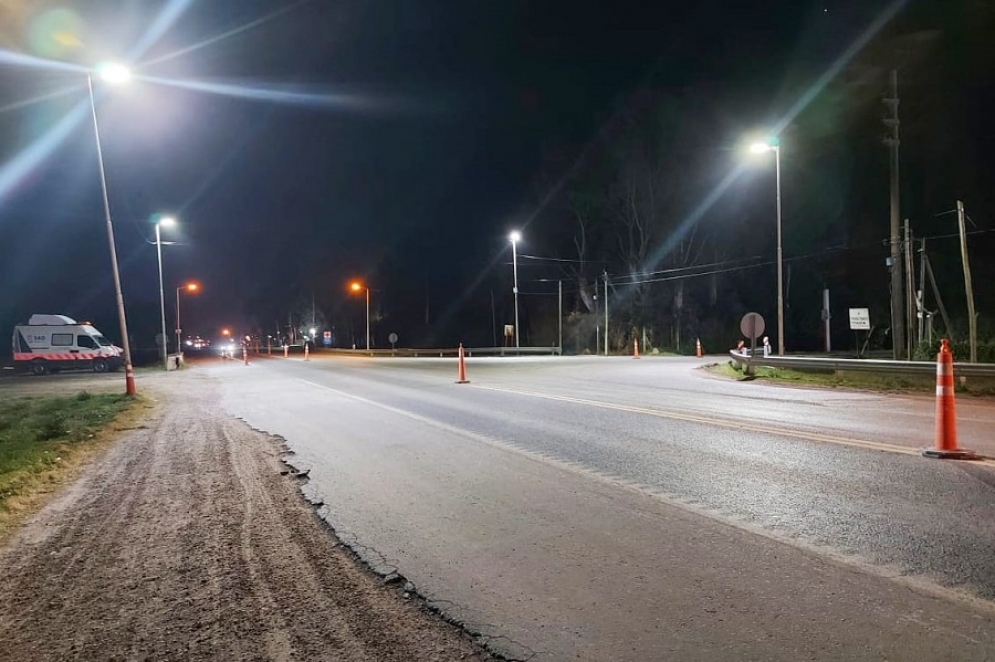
(860, 319)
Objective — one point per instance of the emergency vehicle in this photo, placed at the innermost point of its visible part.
(50, 343)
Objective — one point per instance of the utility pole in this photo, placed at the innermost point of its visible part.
(559, 325)
(939, 300)
(972, 320)
(897, 282)
(921, 294)
(910, 291)
(606, 312)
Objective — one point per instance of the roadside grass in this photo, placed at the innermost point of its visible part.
(45, 441)
(925, 384)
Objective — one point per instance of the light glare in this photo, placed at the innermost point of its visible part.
(115, 73)
(515, 236)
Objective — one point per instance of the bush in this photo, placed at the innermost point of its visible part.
(961, 350)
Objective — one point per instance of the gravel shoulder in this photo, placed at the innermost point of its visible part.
(185, 542)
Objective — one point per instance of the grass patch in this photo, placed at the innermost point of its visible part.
(857, 380)
(43, 440)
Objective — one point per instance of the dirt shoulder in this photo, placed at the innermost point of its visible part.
(185, 542)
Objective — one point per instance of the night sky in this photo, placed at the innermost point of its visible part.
(399, 142)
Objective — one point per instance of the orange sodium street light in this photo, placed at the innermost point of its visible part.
(189, 287)
(356, 286)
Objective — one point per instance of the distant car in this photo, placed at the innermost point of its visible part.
(228, 347)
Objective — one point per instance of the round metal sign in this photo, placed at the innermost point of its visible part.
(392, 338)
(752, 325)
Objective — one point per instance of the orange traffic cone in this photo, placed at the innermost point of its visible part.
(286, 350)
(697, 350)
(306, 351)
(461, 374)
(946, 421)
(635, 348)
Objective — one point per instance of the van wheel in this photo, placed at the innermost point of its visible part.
(99, 365)
(39, 367)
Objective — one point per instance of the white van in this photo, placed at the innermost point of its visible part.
(50, 343)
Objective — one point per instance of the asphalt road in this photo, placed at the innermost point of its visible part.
(596, 509)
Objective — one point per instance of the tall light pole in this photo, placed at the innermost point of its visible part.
(167, 221)
(113, 73)
(189, 287)
(772, 145)
(356, 286)
(514, 238)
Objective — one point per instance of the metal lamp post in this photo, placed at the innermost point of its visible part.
(356, 287)
(189, 287)
(113, 73)
(772, 145)
(515, 237)
(168, 221)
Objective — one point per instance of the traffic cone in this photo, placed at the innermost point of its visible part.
(306, 351)
(697, 349)
(635, 348)
(461, 374)
(286, 350)
(946, 421)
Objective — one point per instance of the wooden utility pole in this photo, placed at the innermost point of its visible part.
(921, 294)
(972, 320)
(910, 289)
(559, 309)
(897, 282)
(936, 293)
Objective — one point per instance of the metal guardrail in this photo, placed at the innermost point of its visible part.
(429, 352)
(867, 365)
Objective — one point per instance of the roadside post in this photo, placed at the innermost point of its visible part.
(752, 325)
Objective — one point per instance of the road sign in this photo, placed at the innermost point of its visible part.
(860, 319)
(392, 338)
(752, 325)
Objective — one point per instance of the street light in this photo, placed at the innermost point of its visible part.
(514, 238)
(189, 287)
(115, 74)
(772, 145)
(167, 221)
(356, 286)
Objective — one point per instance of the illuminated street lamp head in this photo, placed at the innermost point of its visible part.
(191, 287)
(762, 146)
(114, 73)
(356, 286)
(515, 236)
(226, 332)
(167, 221)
